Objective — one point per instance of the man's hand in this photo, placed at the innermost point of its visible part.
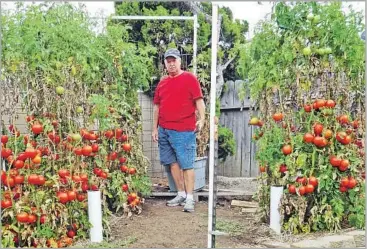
(199, 125)
(155, 135)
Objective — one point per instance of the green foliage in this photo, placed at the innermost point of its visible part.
(46, 232)
(269, 151)
(276, 57)
(308, 51)
(230, 227)
(142, 184)
(226, 143)
(168, 33)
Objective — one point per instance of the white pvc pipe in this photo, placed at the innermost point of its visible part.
(212, 124)
(153, 17)
(275, 196)
(95, 216)
(194, 18)
(194, 46)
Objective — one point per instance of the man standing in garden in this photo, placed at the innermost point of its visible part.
(174, 126)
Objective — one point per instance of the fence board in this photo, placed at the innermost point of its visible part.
(247, 145)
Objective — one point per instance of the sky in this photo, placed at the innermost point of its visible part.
(252, 12)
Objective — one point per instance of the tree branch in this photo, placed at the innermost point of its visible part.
(196, 10)
(223, 67)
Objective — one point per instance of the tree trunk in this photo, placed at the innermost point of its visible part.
(220, 68)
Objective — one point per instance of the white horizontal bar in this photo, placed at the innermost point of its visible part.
(153, 17)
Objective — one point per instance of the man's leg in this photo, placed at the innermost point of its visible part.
(168, 158)
(184, 144)
(189, 176)
(178, 177)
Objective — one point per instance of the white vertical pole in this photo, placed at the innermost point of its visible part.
(95, 216)
(213, 84)
(195, 43)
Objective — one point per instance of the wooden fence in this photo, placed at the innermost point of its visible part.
(235, 115)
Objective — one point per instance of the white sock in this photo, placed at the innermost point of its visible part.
(182, 193)
(190, 196)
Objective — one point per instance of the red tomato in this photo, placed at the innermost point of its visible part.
(344, 164)
(95, 147)
(292, 189)
(307, 108)
(124, 168)
(63, 197)
(32, 218)
(132, 171)
(63, 173)
(302, 190)
(41, 180)
(283, 168)
(31, 153)
(71, 233)
(22, 217)
(118, 132)
(18, 164)
(37, 128)
(87, 150)
(71, 195)
(125, 187)
(6, 203)
(80, 197)
(313, 181)
(309, 188)
(43, 218)
(33, 179)
(84, 177)
(78, 151)
(343, 119)
(352, 183)
(4, 139)
(109, 134)
(126, 147)
(278, 117)
(308, 138)
(287, 149)
(330, 103)
(318, 129)
(19, 179)
(335, 162)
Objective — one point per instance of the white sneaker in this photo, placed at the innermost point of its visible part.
(189, 206)
(176, 201)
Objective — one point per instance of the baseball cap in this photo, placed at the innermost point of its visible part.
(172, 52)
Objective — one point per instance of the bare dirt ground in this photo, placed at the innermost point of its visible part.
(162, 226)
(159, 226)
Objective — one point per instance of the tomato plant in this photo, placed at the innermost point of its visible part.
(307, 77)
(85, 89)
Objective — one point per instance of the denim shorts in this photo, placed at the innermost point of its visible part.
(177, 146)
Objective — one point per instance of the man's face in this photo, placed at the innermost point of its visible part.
(173, 65)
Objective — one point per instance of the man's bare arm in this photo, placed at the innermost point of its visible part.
(155, 122)
(200, 105)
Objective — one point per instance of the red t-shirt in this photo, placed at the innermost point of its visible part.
(176, 99)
